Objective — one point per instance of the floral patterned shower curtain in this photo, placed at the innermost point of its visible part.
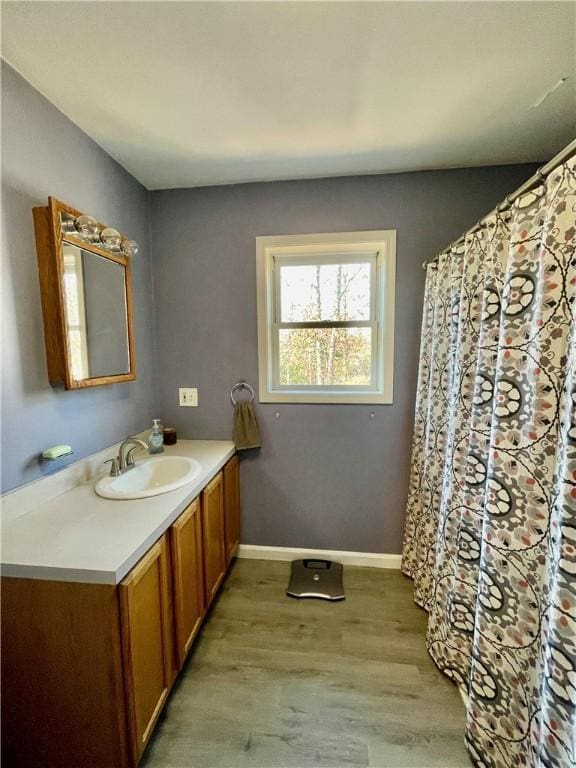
(490, 535)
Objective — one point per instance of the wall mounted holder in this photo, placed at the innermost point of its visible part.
(56, 452)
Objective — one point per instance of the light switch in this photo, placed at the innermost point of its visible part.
(188, 396)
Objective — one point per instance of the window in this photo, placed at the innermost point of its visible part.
(326, 317)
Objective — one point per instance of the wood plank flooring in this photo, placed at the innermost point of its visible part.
(275, 682)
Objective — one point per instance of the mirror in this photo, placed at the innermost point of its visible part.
(96, 327)
(86, 298)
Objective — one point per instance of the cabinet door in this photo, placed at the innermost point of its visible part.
(213, 536)
(231, 506)
(188, 573)
(147, 642)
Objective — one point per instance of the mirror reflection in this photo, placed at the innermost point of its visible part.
(96, 314)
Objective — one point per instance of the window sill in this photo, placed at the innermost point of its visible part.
(342, 398)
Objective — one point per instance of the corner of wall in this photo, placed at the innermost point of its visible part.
(153, 302)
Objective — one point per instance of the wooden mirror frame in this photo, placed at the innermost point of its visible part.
(49, 248)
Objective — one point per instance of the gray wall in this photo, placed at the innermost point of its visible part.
(43, 154)
(327, 476)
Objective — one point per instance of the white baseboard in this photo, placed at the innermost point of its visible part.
(370, 559)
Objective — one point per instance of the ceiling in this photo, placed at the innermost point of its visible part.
(197, 93)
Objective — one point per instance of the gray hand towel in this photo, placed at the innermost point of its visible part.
(245, 433)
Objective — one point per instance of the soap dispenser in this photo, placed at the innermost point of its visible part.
(156, 437)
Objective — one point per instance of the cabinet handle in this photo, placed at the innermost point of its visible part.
(115, 468)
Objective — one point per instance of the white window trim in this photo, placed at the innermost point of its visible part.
(381, 245)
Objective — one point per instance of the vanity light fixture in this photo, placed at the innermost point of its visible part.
(89, 229)
(129, 247)
(111, 238)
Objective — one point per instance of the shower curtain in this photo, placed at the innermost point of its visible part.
(490, 537)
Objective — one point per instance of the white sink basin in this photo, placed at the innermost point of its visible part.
(150, 477)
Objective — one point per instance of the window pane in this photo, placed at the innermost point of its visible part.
(325, 292)
(325, 356)
(76, 356)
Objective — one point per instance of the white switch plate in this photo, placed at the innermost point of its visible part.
(188, 396)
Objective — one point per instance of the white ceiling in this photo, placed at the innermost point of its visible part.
(196, 93)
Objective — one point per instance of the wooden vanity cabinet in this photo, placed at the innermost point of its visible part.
(147, 642)
(213, 536)
(188, 578)
(87, 668)
(231, 507)
(63, 702)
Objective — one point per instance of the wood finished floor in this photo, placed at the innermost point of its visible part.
(275, 682)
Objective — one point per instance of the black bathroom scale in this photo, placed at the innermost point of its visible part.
(316, 578)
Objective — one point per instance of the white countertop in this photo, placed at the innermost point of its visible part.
(81, 537)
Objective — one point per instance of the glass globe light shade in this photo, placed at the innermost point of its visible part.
(86, 226)
(110, 237)
(129, 247)
(67, 224)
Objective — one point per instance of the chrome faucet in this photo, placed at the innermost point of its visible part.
(125, 459)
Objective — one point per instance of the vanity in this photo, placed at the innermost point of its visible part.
(101, 602)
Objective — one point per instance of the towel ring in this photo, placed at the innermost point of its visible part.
(241, 385)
